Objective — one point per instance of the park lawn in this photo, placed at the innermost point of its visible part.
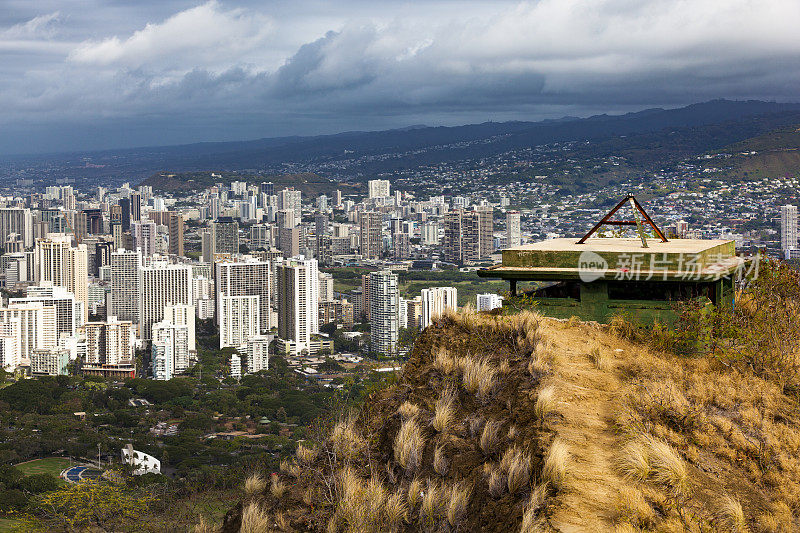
(48, 465)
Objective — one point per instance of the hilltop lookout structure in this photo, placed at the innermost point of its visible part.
(639, 278)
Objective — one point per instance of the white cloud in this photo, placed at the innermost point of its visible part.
(371, 59)
(205, 35)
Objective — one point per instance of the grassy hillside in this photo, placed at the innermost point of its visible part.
(772, 155)
(520, 423)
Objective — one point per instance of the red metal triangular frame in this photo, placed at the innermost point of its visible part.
(606, 220)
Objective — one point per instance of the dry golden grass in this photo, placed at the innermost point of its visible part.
(409, 445)
(396, 510)
(445, 362)
(650, 458)
(518, 469)
(475, 425)
(408, 410)
(431, 504)
(599, 357)
(479, 377)
(532, 522)
(457, 499)
(490, 437)
(632, 508)
(440, 462)
(414, 493)
(497, 483)
(730, 516)
(254, 484)
(281, 521)
(556, 465)
(306, 455)
(276, 487)
(445, 413)
(254, 519)
(346, 440)
(545, 402)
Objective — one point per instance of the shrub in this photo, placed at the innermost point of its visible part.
(277, 488)
(306, 455)
(545, 402)
(730, 516)
(414, 493)
(518, 471)
(254, 519)
(408, 410)
(457, 499)
(346, 440)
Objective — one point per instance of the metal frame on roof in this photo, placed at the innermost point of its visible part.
(638, 213)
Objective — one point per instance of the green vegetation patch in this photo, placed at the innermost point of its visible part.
(48, 465)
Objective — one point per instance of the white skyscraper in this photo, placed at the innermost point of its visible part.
(246, 276)
(378, 188)
(182, 315)
(161, 360)
(10, 344)
(325, 287)
(176, 339)
(258, 353)
(37, 326)
(239, 319)
(788, 227)
(383, 315)
(57, 261)
(513, 235)
(236, 366)
(291, 198)
(489, 301)
(109, 343)
(298, 300)
(124, 297)
(69, 311)
(436, 301)
(161, 284)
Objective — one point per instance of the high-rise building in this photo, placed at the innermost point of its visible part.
(260, 236)
(37, 326)
(325, 287)
(173, 340)
(160, 285)
(489, 301)
(225, 238)
(337, 198)
(378, 188)
(290, 198)
(235, 366)
(298, 301)
(430, 234)
(182, 315)
(58, 262)
(135, 207)
(436, 301)
(383, 315)
(258, 353)
(513, 234)
(50, 362)
(246, 277)
(176, 230)
(69, 311)
(109, 347)
(124, 297)
(144, 237)
(18, 221)
(370, 234)
(239, 318)
(468, 235)
(10, 338)
(288, 232)
(452, 249)
(161, 359)
(401, 246)
(788, 227)
(267, 188)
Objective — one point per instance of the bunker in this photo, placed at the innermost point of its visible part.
(639, 278)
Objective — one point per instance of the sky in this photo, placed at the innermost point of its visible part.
(91, 74)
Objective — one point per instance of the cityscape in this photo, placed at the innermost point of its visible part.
(378, 267)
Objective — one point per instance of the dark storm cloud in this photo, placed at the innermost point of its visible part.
(138, 73)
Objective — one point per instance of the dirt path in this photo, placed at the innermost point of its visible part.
(587, 400)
